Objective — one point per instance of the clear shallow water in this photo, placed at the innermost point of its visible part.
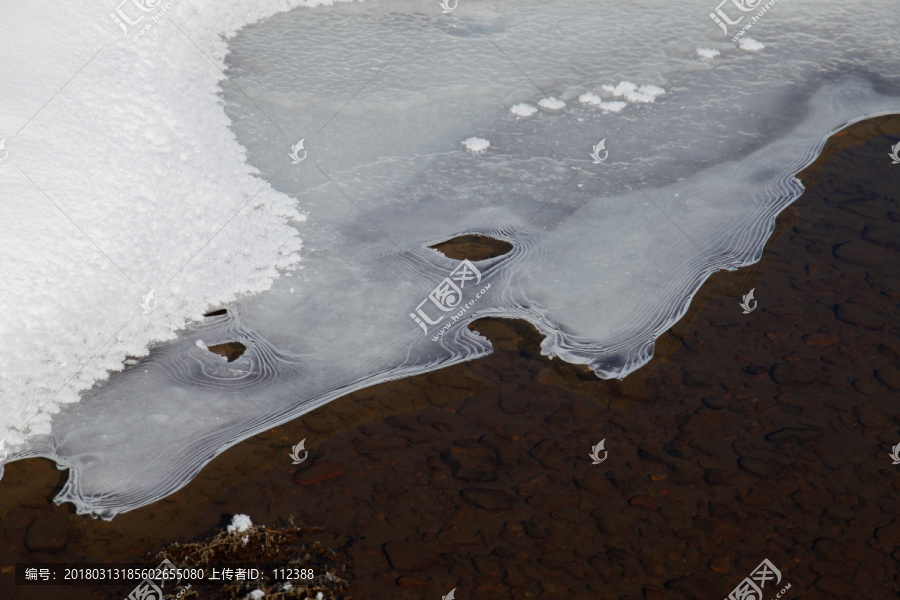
(606, 256)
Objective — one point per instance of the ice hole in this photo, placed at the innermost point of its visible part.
(231, 351)
(473, 247)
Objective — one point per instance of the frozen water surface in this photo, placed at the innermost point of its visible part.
(606, 256)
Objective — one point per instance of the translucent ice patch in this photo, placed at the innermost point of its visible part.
(605, 256)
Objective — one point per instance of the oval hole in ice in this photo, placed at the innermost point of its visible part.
(473, 247)
(216, 313)
(230, 350)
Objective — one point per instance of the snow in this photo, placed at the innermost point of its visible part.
(631, 92)
(707, 53)
(522, 110)
(476, 144)
(240, 524)
(121, 177)
(257, 594)
(748, 43)
(595, 100)
(552, 103)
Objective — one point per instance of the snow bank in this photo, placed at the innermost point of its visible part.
(122, 177)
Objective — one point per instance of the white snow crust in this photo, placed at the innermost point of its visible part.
(122, 177)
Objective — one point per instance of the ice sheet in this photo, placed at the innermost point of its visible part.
(607, 253)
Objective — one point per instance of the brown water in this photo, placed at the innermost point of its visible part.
(747, 437)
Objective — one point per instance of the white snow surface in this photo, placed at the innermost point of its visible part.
(707, 53)
(122, 176)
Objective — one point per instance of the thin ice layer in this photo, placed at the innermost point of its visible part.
(607, 253)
